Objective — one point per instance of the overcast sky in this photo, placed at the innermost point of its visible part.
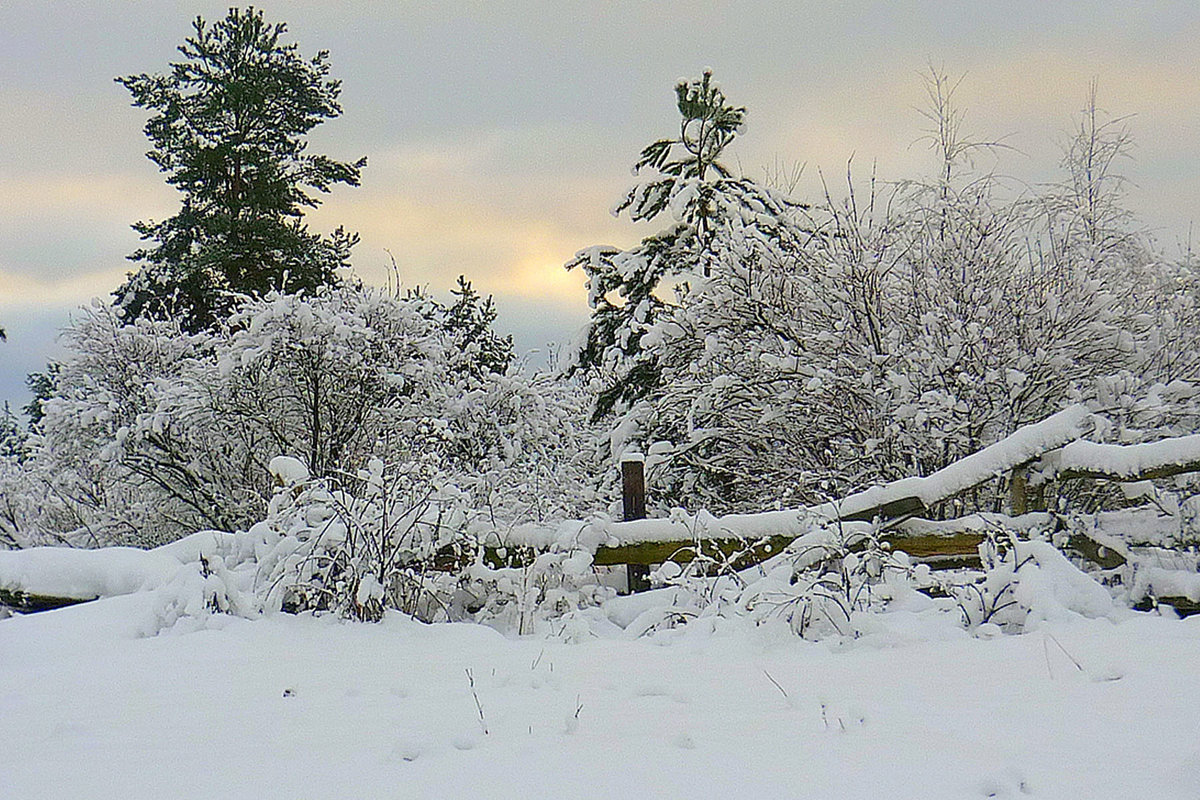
(499, 134)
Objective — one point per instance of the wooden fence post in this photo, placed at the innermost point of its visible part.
(1018, 487)
(633, 501)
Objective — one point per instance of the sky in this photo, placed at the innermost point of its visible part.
(500, 134)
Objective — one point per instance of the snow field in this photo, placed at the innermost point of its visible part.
(296, 707)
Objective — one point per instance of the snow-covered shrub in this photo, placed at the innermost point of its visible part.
(1024, 583)
(16, 505)
(820, 585)
(709, 572)
(324, 377)
(1189, 521)
(827, 578)
(404, 537)
(385, 538)
(841, 582)
(523, 448)
(102, 465)
(150, 433)
(200, 590)
(524, 599)
(356, 374)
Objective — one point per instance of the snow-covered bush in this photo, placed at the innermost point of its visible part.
(150, 433)
(525, 599)
(16, 505)
(523, 448)
(102, 466)
(385, 538)
(1024, 583)
(356, 374)
(828, 578)
(820, 586)
(401, 536)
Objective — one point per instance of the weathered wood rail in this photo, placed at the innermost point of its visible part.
(27, 603)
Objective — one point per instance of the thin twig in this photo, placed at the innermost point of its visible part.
(478, 705)
(777, 686)
(1053, 638)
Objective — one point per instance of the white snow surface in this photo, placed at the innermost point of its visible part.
(67, 572)
(1127, 461)
(295, 707)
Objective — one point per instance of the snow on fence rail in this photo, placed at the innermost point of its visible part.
(916, 495)
(1131, 462)
(43, 578)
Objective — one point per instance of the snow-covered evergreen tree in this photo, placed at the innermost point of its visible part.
(229, 128)
(648, 350)
(715, 216)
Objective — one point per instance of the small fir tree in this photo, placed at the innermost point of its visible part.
(469, 320)
(716, 216)
(13, 439)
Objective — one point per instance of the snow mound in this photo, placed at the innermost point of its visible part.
(287, 470)
(1053, 588)
(84, 574)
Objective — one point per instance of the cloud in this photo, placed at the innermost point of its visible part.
(435, 241)
(72, 225)
(505, 207)
(18, 291)
(500, 156)
(94, 197)
(86, 128)
(1027, 96)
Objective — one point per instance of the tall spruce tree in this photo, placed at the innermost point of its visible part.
(228, 129)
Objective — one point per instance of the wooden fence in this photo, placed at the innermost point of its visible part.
(1030, 460)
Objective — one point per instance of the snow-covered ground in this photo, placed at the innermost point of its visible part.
(303, 707)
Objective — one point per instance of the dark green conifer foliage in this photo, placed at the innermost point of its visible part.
(228, 129)
(689, 182)
(469, 319)
(41, 386)
(12, 437)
